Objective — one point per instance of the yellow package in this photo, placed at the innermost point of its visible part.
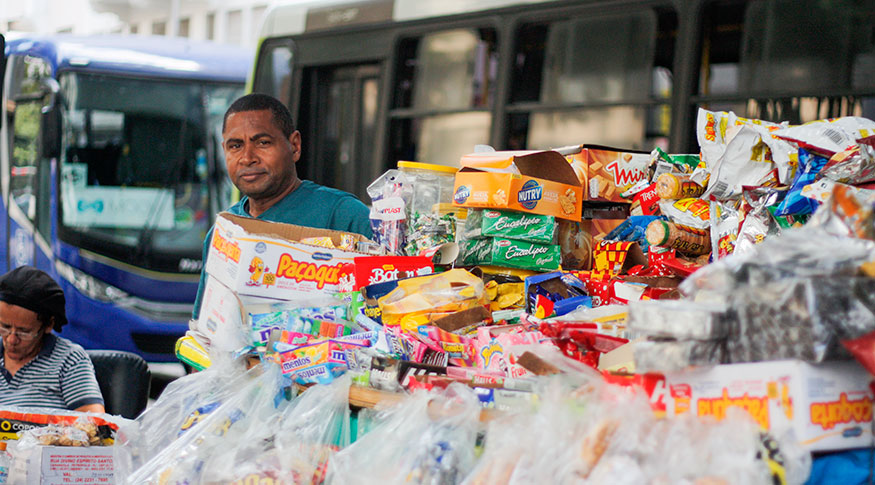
(421, 299)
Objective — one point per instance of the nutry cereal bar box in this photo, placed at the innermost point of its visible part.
(538, 182)
(828, 405)
(605, 173)
(268, 259)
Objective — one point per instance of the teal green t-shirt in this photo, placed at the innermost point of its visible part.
(310, 205)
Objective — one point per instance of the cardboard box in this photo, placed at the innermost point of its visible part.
(543, 182)
(829, 405)
(606, 172)
(267, 259)
(223, 316)
(61, 465)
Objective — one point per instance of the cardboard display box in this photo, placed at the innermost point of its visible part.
(540, 182)
(829, 405)
(268, 259)
(607, 172)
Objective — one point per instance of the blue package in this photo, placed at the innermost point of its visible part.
(795, 203)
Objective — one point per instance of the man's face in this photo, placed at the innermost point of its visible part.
(25, 324)
(260, 160)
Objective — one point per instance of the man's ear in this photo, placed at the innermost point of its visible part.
(295, 140)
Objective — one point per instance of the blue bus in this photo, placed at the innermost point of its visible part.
(112, 172)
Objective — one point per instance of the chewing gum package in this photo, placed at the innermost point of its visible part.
(513, 253)
(510, 224)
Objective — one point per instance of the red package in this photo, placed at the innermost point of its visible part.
(652, 384)
(379, 269)
(648, 199)
(863, 349)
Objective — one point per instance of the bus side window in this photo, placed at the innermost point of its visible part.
(23, 114)
(602, 79)
(444, 88)
(788, 60)
(275, 72)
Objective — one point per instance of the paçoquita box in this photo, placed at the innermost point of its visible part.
(268, 259)
(828, 405)
(540, 182)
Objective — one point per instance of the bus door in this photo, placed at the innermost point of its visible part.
(338, 123)
(26, 173)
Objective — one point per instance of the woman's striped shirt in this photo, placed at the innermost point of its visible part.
(61, 376)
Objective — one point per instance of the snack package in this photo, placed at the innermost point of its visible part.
(738, 151)
(855, 165)
(724, 227)
(513, 253)
(756, 220)
(692, 212)
(677, 186)
(829, 136)
(795, 203)
(511, 225)
(416, 301)
(390, 194)
(684, 240)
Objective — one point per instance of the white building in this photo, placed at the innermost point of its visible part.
(226, 21)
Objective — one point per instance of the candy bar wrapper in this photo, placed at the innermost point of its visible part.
(678, 319)
(848, 211)
(692, 212)
(458, 348)
(756, 221)
(795, 203)
(739, 151)
(613, 258)
(830, 136)
(724, 227)
(513, 253)
(510, 224)
(672, 355)
(855, 165)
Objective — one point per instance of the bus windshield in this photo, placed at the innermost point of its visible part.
(136, 160)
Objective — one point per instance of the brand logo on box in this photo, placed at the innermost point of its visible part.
(299, 271)
(226, 247)
(260, 247)
(462, 194)
(828, 414)
(530, 194)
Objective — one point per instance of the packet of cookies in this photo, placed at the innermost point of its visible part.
(610, 171)
(511, 224)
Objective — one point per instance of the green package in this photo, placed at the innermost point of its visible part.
(510, 224)
(512, 253)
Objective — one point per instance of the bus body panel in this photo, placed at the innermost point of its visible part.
(115, 304)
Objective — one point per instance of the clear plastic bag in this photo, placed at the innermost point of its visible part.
(390, 194)
(428, 438)
(292, 444)
(219, 420)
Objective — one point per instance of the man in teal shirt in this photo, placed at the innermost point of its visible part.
(261, 148)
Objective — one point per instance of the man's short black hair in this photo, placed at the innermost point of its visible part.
(257, 102)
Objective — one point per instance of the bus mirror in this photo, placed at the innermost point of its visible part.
(50, 120)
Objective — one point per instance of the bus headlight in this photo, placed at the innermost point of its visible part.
(91, 286)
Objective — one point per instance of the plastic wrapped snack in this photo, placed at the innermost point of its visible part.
(678, 319)
(390, 195)
(675, 355)
(428, 438)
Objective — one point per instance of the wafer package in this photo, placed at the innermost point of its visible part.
(510, 224)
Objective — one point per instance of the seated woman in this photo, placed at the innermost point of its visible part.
(38, 368)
